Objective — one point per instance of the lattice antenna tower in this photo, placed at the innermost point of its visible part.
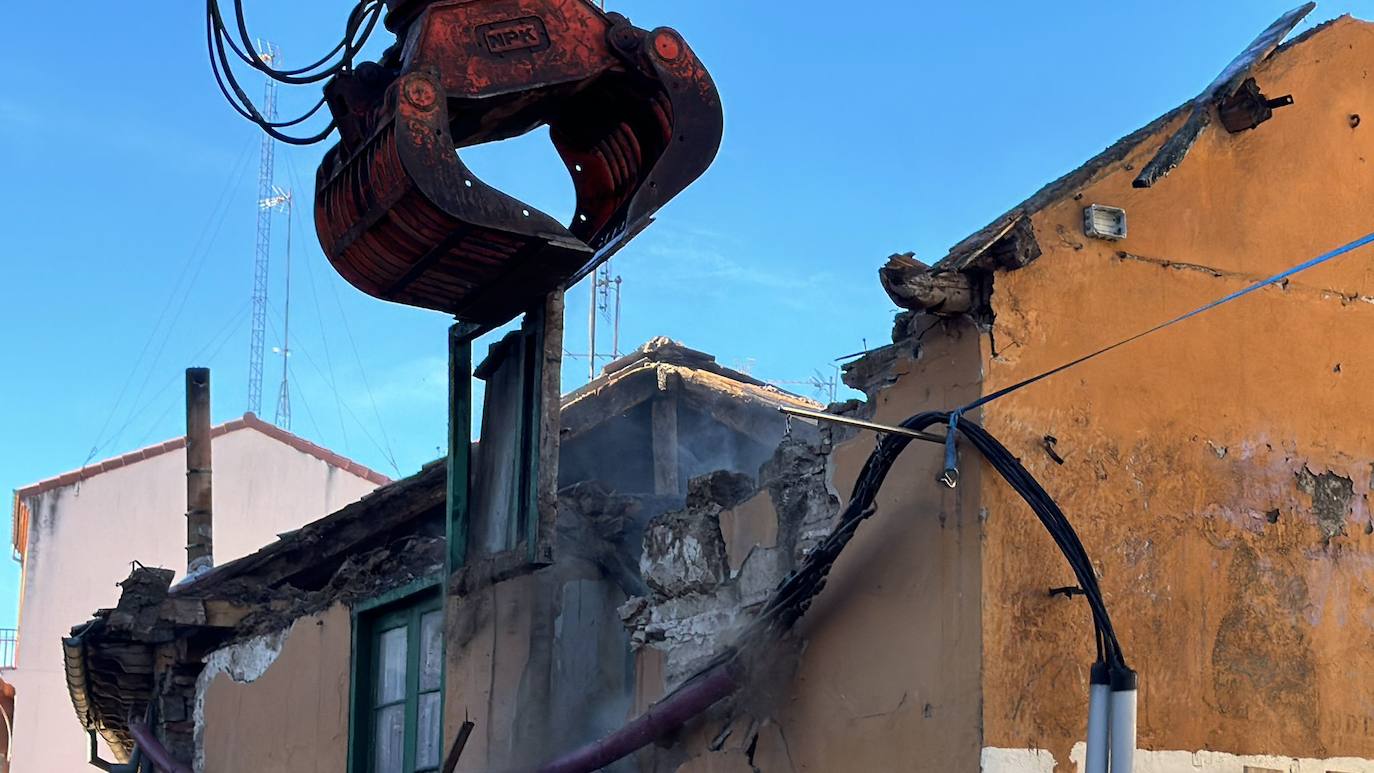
(283, 201)
(262, 256)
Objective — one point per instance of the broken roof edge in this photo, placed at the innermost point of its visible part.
(122, 641)
(663, 353)
(74, 670)
(322, 529)
(19, 514)
(965, 253)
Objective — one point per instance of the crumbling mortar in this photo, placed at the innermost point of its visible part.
(695, 600)
(359, 578)
(799, 483)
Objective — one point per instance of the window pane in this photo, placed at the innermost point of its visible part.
(431, 650)
(391, 667)
(428, 732)
(391, 729)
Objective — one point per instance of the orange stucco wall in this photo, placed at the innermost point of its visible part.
(289, 717)
(1191, 456)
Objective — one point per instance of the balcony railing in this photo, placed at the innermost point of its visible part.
(9, 638)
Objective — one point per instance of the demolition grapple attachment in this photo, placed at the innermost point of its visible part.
(633, 113)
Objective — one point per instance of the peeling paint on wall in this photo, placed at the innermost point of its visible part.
(243, 662)
(278, 702)
(1331, 495)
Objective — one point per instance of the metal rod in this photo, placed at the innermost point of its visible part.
(658, 721)
(459, 743)
(861, 424)
(591, 332)
(151, 746)
(615, 340)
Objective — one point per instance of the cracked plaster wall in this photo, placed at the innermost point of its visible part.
(1219, 471)
(278, 703)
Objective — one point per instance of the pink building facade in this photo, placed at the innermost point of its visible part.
(76, 534)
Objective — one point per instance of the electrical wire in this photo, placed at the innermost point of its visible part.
(794, 595)
(362, 371)
(224, 336)
(324, 335)
(1276, 279)
(194, 255)
(310, 414)
(384, 449)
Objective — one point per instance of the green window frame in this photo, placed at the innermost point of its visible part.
(397, 682)
(530, 362)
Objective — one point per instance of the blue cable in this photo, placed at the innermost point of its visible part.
(951, 474)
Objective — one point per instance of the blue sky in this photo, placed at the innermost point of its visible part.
(851, 133)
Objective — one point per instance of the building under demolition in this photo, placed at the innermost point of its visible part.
(233, 653)
(581, 589)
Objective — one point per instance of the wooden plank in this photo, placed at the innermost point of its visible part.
(549, 425)
(616, 398)
(665, 445)
(749, 416)
(225, 614)
(459, 443)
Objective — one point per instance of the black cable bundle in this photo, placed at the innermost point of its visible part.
(795, 594)
(362, 20)
(1054, 521)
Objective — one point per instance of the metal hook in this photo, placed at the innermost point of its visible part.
(950, 477)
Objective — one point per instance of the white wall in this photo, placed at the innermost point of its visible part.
(1151, 761)
(83, 537)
